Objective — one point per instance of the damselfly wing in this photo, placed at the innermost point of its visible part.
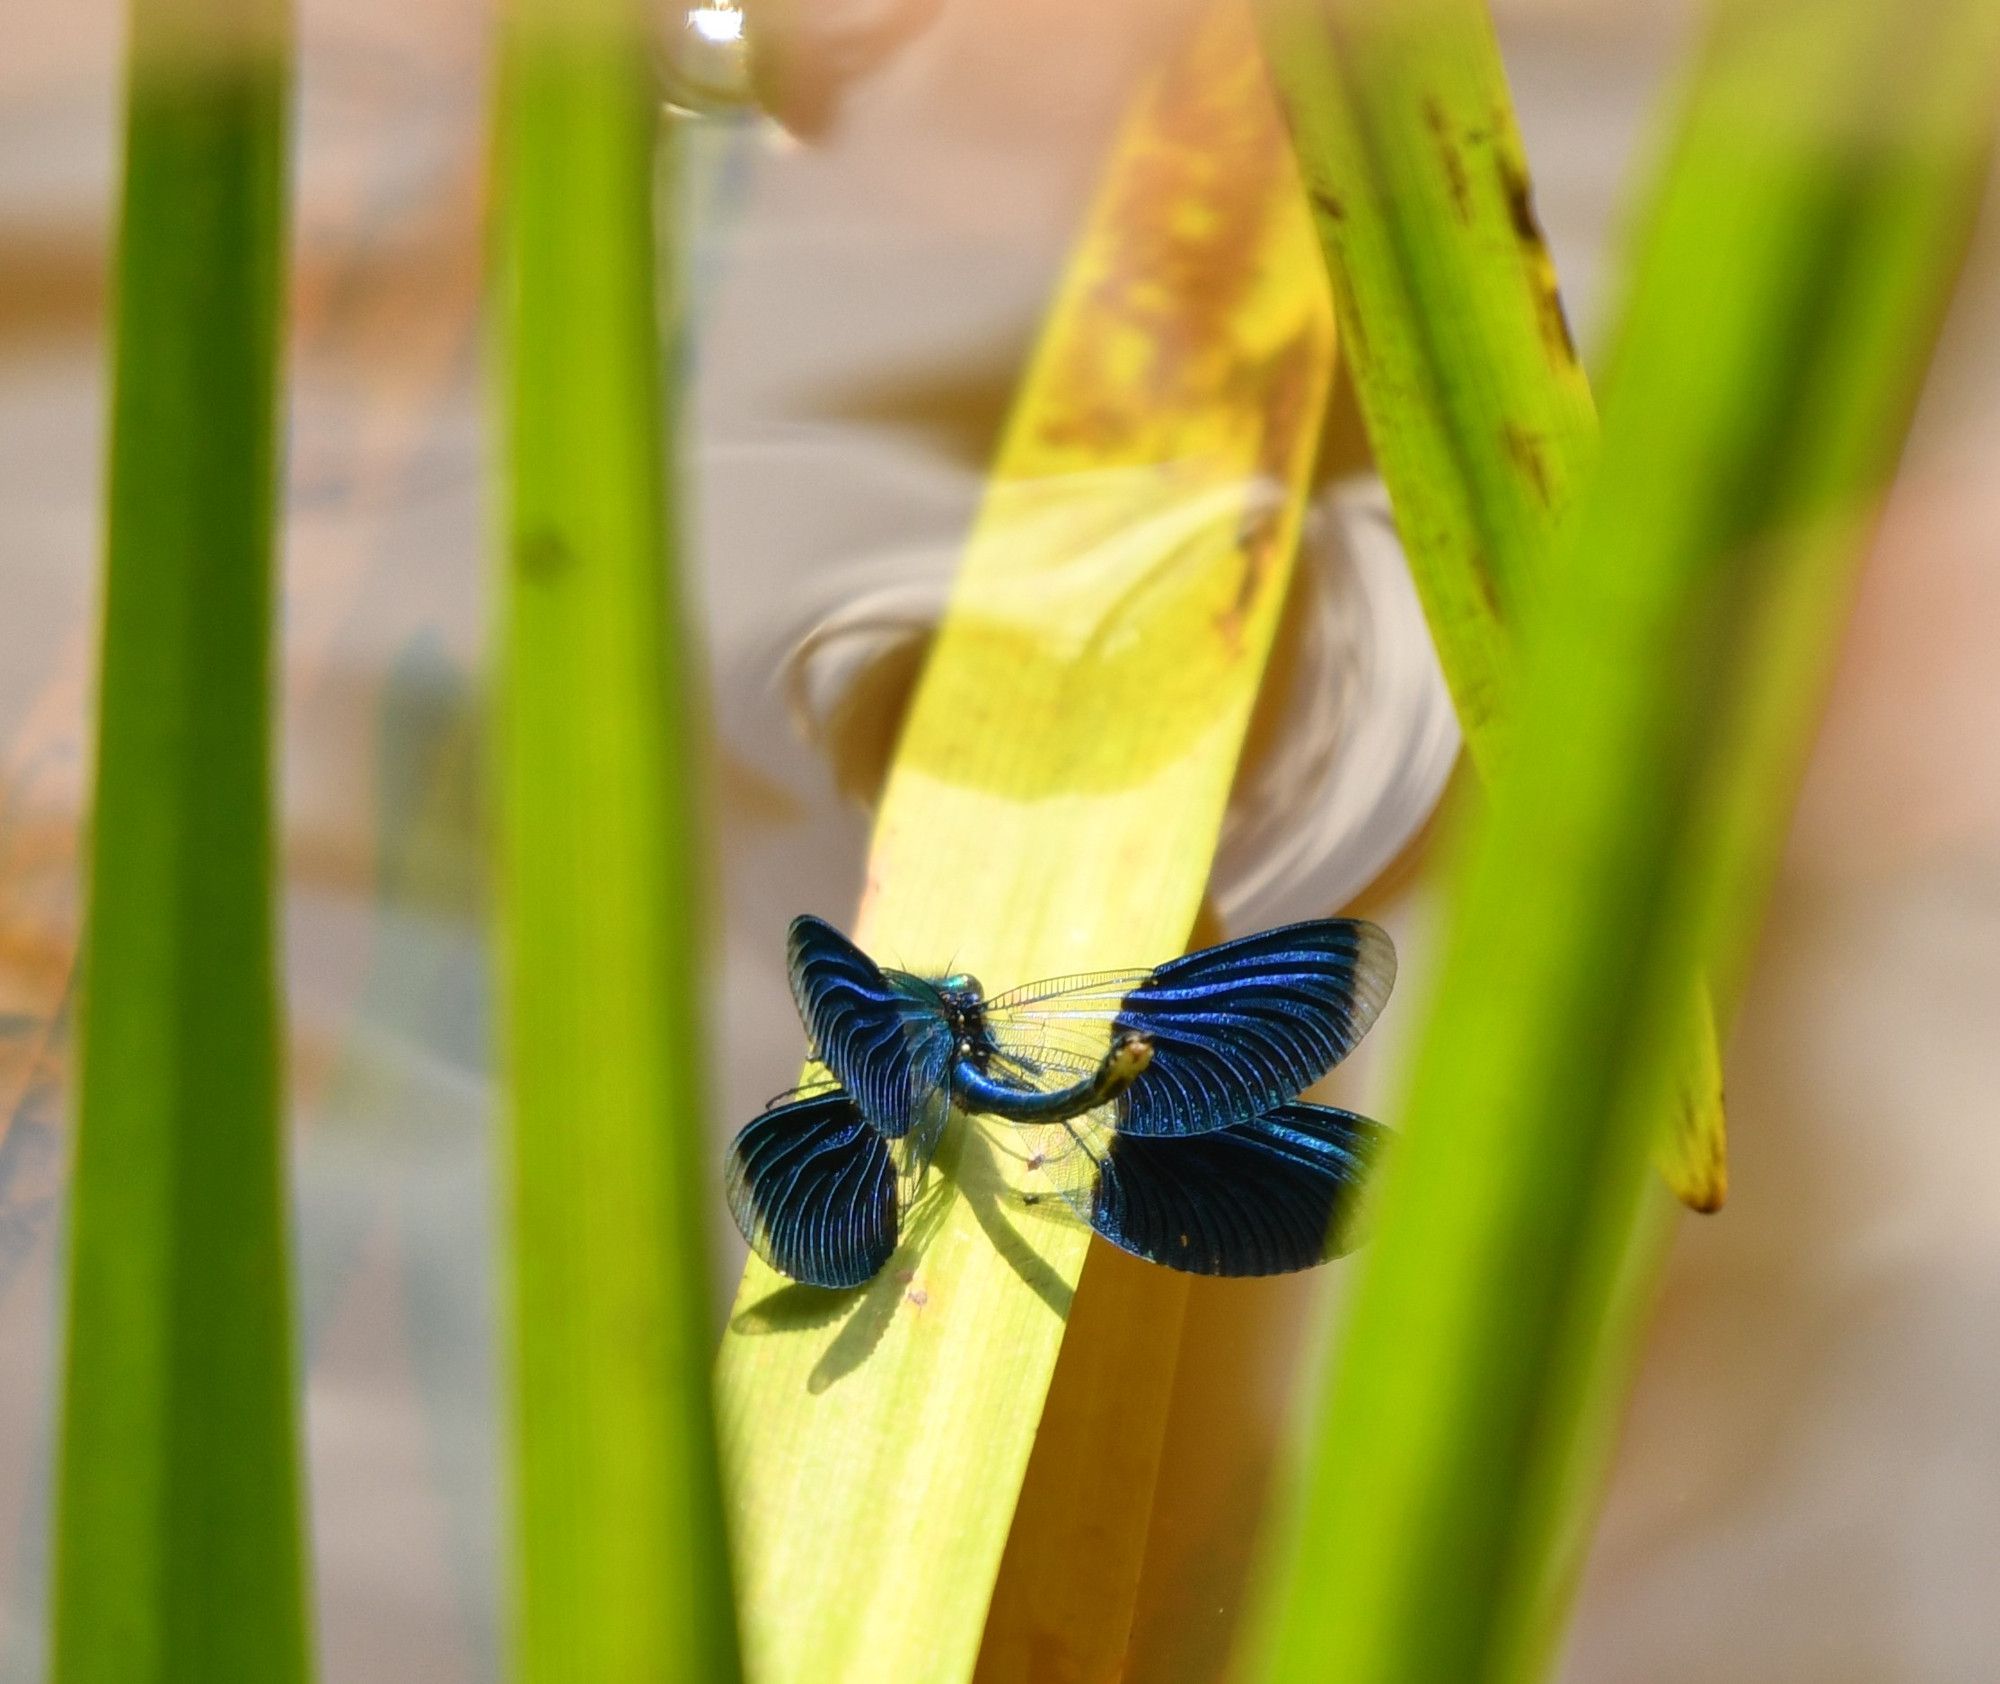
(814, 1190)
(1266, 1197)
(887, 1036)
(1234, 1029)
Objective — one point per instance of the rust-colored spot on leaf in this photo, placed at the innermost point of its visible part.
(1489, 594)
(1290, 387)
(1520, 200)
(1353, 329)
(1448, 155)
(1172, 251)
(543, 555)
(1555, 324)
(1328, 204)
(1524, 450)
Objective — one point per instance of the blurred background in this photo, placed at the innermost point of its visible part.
(1809, 1483)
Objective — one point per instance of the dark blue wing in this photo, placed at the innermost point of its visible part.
(1235, 1029)
(1258, 1198)
(883, 1034)
(813, 1189)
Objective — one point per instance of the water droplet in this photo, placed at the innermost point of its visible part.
(706, 58)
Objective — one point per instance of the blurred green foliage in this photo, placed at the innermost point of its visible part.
(1786, 291)
(621, 1557)
(180, 1541)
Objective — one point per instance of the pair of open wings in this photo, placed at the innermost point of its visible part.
(1206, 1163)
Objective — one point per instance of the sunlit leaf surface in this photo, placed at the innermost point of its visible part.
(1053, 808)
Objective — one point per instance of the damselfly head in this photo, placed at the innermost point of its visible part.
(1128, 1058)
(964, 1004)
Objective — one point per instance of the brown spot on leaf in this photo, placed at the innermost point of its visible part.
(1354, 330)
(1555, 324)
(1706, 1200)
(1286, 382)
(1329, 205)
(1524, 450)
(542, 556)
(1482, 576)
(1520, 199)
(1448, 155)
(1170, 250)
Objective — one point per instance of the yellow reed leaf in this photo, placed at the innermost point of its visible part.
(1053, 807)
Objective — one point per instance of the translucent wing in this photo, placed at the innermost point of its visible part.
(813, 1189)
(883, 1034)
(1042, 1046)
(1236, 1029)
(913, 1151)
(1263, 1197)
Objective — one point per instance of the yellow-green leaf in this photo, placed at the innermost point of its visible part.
(1053, 807)
(1478, 411)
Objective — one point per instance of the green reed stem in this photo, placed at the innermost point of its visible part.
(622, 1565)
(179, 1536)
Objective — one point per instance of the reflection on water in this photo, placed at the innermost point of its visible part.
(1349, 749)
(1354, 734)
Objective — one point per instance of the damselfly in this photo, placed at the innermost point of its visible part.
(1162, 1106)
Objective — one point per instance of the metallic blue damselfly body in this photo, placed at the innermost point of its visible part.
(1164, 1103)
